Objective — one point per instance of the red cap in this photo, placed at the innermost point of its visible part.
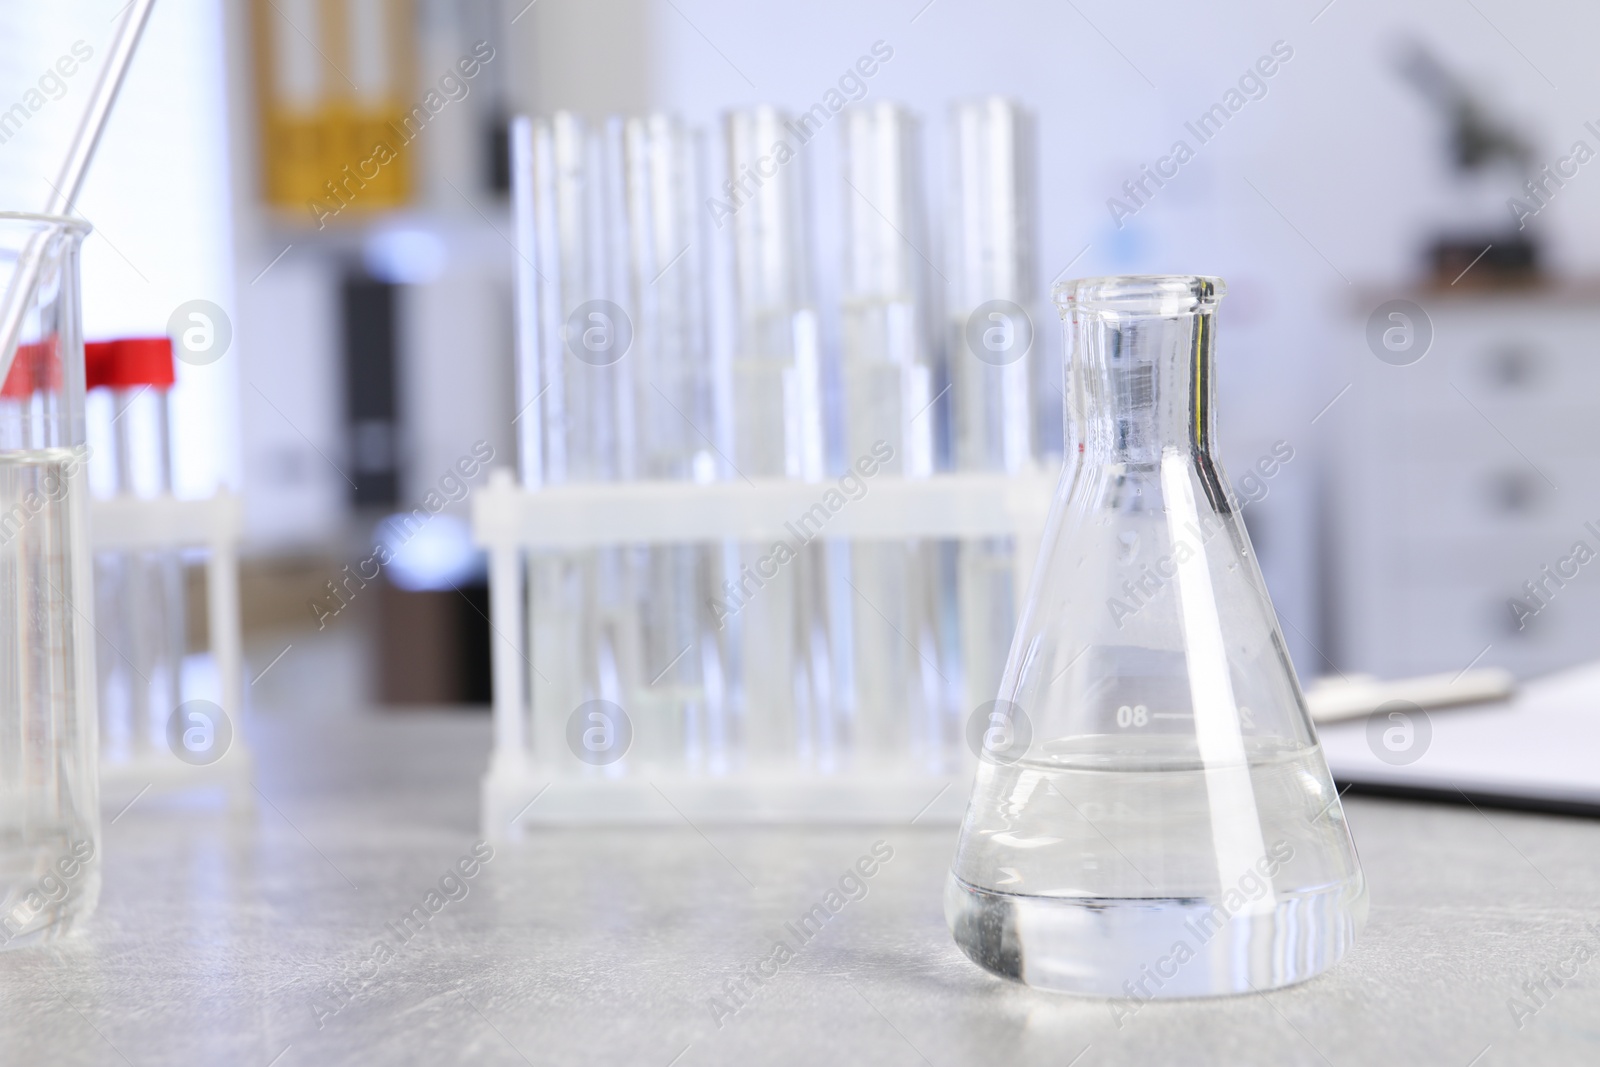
(35, 368)
(129, 362)
(97, 359)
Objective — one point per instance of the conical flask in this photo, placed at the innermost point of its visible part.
(1152, 815)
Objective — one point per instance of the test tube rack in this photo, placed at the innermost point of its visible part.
(525, 788)
(215, 524)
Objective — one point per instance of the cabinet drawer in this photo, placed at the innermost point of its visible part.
(1505, 356)
(1439, 630)
(1485, 561)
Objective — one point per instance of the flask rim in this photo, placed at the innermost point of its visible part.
(1140, 294)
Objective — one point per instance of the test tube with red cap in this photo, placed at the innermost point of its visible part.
(139, 592)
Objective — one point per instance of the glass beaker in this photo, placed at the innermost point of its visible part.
(1152, 815)
(49, 744)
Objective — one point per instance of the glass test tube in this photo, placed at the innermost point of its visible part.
(139, 594)
(888, 363)
(582, 640)
(777, 606)
(990, 289)
(677, 699)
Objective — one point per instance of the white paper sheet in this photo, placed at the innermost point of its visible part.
(1542, 747)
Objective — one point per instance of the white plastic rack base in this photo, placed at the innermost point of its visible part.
(214, 524)
(524, 788)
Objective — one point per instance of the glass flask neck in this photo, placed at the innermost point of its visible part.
(1139, 366)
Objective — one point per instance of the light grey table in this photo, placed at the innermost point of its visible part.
(222, 937)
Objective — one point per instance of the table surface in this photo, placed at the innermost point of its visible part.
(224, 935)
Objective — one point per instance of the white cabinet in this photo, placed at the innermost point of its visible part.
(1461, 476)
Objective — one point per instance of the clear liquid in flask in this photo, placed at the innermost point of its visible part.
(1109, 882)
